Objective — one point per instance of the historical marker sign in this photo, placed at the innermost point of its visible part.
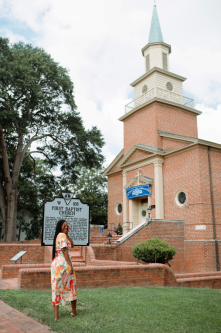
(71, 210)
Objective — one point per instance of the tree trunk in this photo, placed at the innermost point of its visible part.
(11, 217)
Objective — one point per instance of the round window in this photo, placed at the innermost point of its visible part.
(144, 90)
(144, 213)
(180, 198)
(169, 86)
(119, 208)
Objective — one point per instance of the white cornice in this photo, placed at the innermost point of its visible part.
(161, 101)
(177, 137)
(140, 163)
(153, 44)
(114, 162)
(113, 173)
(135, 180)
(189, 139)
(180, 150)
(160, 70)
(139, 147)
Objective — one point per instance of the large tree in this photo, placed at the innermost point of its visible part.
(91, 187)
(37, 109)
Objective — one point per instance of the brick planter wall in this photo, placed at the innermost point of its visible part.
(11, 271)
(35, 253)
(171, 232)
(103, 277)
(90, 260)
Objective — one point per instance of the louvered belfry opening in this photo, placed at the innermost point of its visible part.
(165, 65)
(147, 63)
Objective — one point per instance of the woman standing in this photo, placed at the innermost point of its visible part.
(63, 278)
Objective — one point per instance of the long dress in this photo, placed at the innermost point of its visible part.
(63, 283)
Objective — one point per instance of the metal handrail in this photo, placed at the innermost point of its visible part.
(162, 94)
(103, 227)
(101, 235)
(112, 231)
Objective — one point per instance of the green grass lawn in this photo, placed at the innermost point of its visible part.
(129, 310)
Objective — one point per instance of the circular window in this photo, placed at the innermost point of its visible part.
(180, 198)
(144, 90)
(119, 208)
(144, 213)
(169, 86)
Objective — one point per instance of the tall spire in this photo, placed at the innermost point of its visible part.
(155, 29)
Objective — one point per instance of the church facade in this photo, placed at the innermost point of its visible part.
(162, 152)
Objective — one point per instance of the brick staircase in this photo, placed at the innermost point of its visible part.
(100, 240)
(199, 280)
(77, 256)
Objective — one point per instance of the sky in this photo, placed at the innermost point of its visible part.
(100, 42)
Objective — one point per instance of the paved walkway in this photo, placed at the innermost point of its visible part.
(13, 321)
(8, 284)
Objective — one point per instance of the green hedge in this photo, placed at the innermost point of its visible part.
(146, 252)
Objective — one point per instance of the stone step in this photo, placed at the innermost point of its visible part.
(197, 275)
(102, 239)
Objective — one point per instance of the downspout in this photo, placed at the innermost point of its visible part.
(213, 212)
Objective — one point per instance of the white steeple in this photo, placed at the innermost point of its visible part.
(156, 52)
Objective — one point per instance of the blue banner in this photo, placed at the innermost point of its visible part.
(138, 191)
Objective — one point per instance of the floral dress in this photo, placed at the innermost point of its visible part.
(63, 283)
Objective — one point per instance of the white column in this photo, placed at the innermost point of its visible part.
(124, 198)
(158, 180)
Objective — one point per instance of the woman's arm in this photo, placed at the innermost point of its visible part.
(69, 238)
(67, 258)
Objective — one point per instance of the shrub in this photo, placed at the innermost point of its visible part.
(146, 251)
(119, 229)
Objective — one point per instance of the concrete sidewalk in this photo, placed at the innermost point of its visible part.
(13, 321)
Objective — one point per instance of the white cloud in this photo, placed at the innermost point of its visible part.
(100, 42)
(209, 123)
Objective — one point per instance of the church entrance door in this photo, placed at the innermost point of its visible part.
(143, 210)
(138, 210)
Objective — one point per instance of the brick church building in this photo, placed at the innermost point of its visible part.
(162, 150)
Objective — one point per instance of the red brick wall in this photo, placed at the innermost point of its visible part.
(48, 254)
(200, 256)
(35, 253)
(90, 259)
(189, 171)
(213, 283)
(142, 127)
(115, 195)
(11, 271)
(181, 171)
(169, 144)
(138, 154)
(103, 277)
(171, 232)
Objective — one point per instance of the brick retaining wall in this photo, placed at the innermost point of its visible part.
(102, 277)
(171, 232)
(35, 254)
(90, 260)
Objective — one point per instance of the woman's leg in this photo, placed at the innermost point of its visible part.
(56, 315)
(73, 305)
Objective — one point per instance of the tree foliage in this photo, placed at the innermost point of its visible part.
(37, 109)
(146, 251)
(91, 187)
